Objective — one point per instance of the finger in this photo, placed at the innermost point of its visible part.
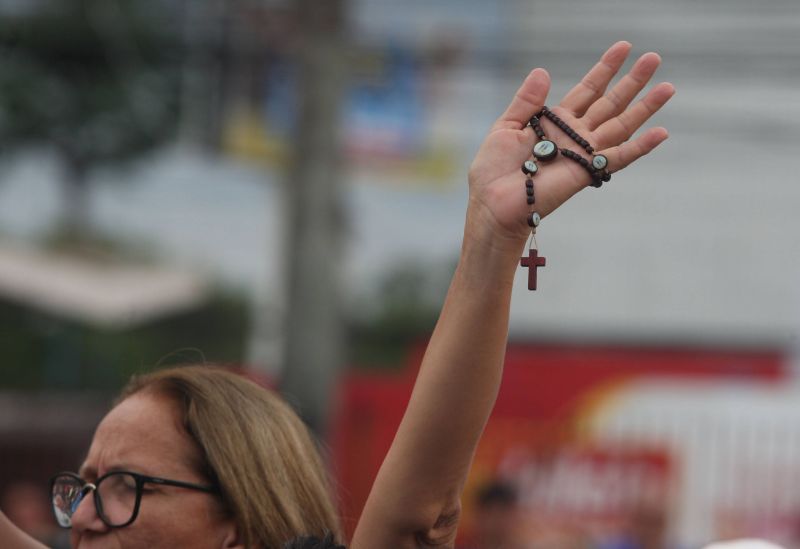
(623, 155)
(594, 84)
(622, 127)
(617, 99)
(528, 100)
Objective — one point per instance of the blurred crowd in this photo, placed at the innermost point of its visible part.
(502, 521)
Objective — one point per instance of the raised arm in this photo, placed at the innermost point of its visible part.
(415, 500)
(12, 537)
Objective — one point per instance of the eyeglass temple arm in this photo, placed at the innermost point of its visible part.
(202, 487)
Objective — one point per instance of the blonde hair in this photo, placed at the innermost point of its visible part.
(257, 450)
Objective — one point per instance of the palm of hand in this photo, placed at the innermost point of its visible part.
(607, 121)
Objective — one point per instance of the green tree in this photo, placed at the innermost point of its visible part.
(96, 80)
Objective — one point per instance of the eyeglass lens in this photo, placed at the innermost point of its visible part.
(116, 498)
(66, 496)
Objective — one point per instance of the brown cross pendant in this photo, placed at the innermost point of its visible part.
(532, 262)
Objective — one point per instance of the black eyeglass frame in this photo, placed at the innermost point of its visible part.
(140, 479)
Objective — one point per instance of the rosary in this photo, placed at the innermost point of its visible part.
(546, 150)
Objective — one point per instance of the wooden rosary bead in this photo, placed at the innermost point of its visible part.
(537, 127)
(555, 119)
(531, 199)
(572, 155)
(598, 175)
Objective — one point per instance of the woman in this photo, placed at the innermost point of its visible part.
(415, 499)
(255, 476)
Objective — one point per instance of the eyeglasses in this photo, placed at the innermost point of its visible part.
(117, 495)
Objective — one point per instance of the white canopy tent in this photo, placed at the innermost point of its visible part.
(103, 294)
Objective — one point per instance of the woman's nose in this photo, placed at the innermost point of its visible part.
(84, 516)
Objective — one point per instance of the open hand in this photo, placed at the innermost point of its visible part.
(604, 117)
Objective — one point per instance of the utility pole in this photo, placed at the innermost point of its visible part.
(315, 327)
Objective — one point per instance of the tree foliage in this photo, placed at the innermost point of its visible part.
(95, 79)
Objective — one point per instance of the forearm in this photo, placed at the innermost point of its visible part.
(461, 371)
(12, 537)
(455, 391)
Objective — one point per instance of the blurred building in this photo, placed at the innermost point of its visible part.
(686, 251)
(646, 447)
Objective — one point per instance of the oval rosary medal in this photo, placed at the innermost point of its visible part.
(545, 150)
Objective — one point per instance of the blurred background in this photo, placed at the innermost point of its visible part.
(280, 186)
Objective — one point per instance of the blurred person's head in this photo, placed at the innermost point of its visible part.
(648, 526)
(254, 476)
(497, 520)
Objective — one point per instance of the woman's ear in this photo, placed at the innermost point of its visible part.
(231, 539)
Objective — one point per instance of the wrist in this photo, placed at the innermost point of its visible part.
(484, 234)
(489, 255)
